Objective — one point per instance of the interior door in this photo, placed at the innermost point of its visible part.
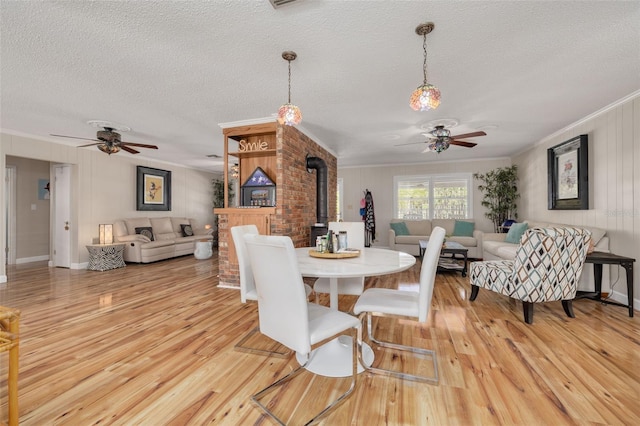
(61, 197)
(10, 215)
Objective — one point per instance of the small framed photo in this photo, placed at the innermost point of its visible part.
(568, 177)
(153, 189)
(43, 189)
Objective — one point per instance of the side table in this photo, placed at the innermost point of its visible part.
(452, 248)
(601, 258)
(103, 257)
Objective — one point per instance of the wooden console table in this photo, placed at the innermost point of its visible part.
(600, 258)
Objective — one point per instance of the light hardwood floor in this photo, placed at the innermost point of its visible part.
(153, 345)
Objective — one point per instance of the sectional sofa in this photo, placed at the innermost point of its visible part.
(420, 229)
(151, 239)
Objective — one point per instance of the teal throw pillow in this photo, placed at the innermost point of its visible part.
(462, 228)
(400, 228)
(515, 232)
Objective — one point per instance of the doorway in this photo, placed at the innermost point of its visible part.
(61, 199)
(10, 215)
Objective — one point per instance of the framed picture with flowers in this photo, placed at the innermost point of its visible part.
(568, 175)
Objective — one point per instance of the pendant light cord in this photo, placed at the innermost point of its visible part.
(424, 65)
(290, 79)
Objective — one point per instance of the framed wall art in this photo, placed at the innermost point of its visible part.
(43, 189)
(568, 175)
(153, 189)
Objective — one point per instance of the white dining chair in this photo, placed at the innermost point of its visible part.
(287, 317)
(402, 303)
(355, 239)
(248, 288)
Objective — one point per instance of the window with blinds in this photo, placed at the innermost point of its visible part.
(433, 196)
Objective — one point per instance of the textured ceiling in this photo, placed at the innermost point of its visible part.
(174, 70)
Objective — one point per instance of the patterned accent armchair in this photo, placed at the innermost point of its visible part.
(547, 267)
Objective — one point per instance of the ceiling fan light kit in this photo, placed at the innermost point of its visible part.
(426, 96)
(438, 145)
(108, 149)
(289, 114)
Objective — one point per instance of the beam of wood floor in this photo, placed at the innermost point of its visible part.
(153, 345)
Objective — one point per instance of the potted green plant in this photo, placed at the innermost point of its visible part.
(217, 185)
(500, 189)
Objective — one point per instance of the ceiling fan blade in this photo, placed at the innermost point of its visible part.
(141, 145)
(410, 143)
(129, 150)
(90, 144)
(463, 143)
(468, 135)
(72, 137)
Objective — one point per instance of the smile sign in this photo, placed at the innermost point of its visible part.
(245, 146)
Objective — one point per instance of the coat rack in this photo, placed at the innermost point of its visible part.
(369, 218)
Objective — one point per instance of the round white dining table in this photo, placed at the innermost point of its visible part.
(333, 359)
(370, 263)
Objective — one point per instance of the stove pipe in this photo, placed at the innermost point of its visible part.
(322, 202)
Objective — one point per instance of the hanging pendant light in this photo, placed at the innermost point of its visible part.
(288, 113)
(426, 96)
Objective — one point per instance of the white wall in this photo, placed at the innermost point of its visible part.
(614, 182)
(379, 180)
(104, 188)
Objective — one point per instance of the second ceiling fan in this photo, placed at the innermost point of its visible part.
(439, 139)
(109, 141)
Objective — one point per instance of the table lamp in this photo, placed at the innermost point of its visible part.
(106, 233)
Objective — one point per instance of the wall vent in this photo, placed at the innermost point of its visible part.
(279, 3)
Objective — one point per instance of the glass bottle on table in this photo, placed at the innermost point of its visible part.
(342, 240)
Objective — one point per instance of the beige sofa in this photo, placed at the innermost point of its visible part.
(168, 239)
(494, 247)
(421, 229)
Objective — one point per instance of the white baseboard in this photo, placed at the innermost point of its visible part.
(223, 285)
(3, 278)
(72, 266)
(622, 298)
(32, 259)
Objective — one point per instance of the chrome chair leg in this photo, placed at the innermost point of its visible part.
(333, 405)
(240, 346)
(429, 379)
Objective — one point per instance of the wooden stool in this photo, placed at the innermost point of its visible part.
(9, 341)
